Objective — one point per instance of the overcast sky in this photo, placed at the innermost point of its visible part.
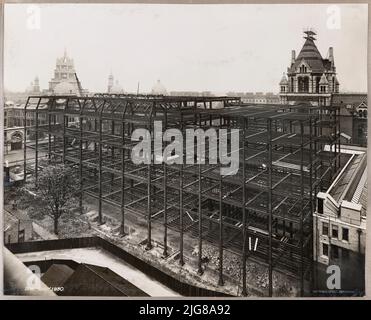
(188, 47)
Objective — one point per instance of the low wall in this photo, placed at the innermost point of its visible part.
(182, 288)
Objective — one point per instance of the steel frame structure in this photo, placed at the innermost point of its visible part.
(272, 197)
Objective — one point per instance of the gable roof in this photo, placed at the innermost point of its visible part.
(323, 80)
(354, 99)
(311, 55)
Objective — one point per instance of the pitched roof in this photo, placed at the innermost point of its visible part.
(92, 280)
(311, 55)
(57, 275)
(354, 99)
(284, 80)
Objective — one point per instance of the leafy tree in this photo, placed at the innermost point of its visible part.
(54, 193)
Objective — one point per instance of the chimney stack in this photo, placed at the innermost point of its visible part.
(331, 54)
(293, 56)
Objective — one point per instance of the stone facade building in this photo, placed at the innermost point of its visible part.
(339, 222)
(353, 117)
(64, 81)
(310, 78)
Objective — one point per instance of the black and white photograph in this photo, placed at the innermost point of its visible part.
(181, 150)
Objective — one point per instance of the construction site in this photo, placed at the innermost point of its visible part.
(287, 154)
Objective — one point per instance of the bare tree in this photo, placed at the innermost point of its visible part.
(54, 192)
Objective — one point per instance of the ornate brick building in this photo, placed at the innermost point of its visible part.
(310, 78)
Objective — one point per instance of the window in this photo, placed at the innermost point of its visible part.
(320, 205)
(303, 84)
(303, 69)
(345, 234)
(325, 228)
(325, 249)
(335, 232)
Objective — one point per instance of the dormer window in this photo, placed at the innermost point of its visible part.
(303, 69)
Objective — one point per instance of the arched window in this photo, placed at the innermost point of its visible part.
(303, 69)
(303, 84)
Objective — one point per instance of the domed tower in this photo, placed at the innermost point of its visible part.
(311, 78)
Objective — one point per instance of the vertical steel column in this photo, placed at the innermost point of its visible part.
(315, 198)
(123, 179)
(334, 132)
(54, 136)
(112, 148)
(165, 253)
(244, 231)
(200, 270)
(269, 207)
(311, 201)
(95, 130)
(321, 133)
(65, 123)
(49, 134)
(181, 244)
(81, 161)
(25, 141)
(37, 141)
(338, 135)
(100, 220)
(221, 281)
(301, 209)
(149, 187)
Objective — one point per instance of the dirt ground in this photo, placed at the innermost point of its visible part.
(86, 224)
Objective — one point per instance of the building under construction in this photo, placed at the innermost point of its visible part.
(282, 166)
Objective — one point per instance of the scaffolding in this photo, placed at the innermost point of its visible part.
(282, 166)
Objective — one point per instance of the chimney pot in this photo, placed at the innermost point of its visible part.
(331, 53)
(293, 56)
